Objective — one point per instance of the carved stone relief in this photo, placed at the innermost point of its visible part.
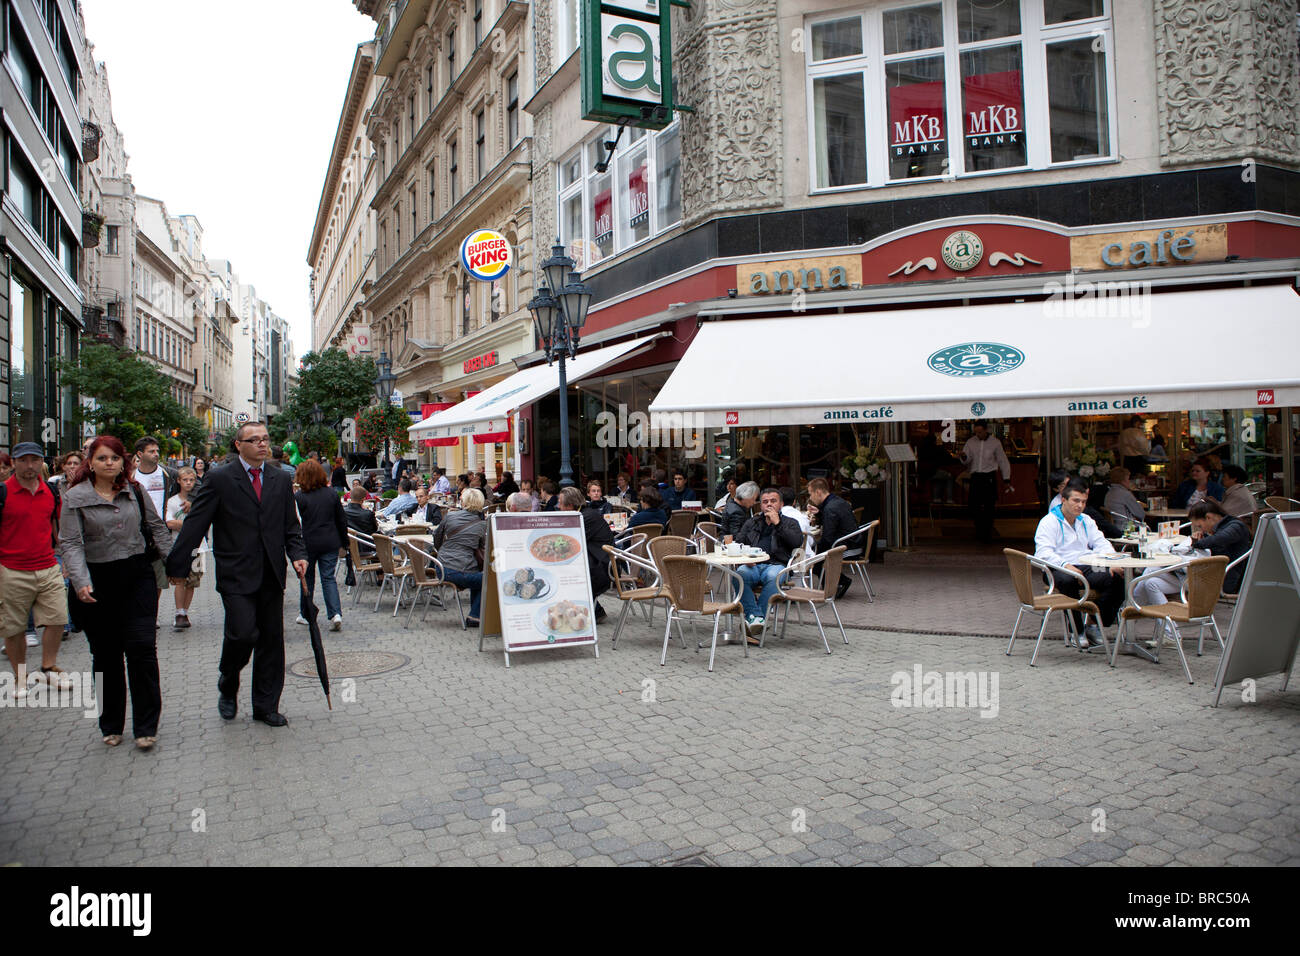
(1226, 79)
(728, 67)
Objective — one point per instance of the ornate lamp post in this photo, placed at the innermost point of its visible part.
(560, 316)
(385, 382)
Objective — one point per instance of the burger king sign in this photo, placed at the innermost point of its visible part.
(485, 255)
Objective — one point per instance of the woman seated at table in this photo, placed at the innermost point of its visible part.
(1215, 531)
(459, 543)
(596, 501)
(505, 487)
(651, 512)
(624, 491)
(721, 503)
(598, 534)
(1197, 487)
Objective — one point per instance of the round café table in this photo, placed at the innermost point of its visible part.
(1129, 564)
(723, 560)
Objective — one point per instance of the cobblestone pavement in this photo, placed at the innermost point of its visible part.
(789, 756)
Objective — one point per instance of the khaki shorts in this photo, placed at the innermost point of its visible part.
(41, 592)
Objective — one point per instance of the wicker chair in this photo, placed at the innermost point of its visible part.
(804, 594)
(711, 532)
(1022, 568)
(411, 527)
(625, 587)
(858, 563)
(1282, 504)
(1200, 592)
(426, 575)
(681, 523)
(393, 572)
(686, 581)
(361, 566)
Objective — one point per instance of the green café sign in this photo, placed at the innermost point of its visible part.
(627, 63)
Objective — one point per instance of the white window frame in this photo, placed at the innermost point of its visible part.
(566, 11)
(1034, 38)
(583, 187)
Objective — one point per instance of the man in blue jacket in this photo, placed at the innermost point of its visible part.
(1064, 536)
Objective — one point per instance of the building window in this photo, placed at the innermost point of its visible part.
(566, 30)
(415, 209)
(480, 144)
(478, 23)
(512, 111)
(968, 87)
(453, 171)
(433, 206)
(112, 240)
(638, 196)
(428, 89)
(451, 56)
(410, 118)
(397, 231)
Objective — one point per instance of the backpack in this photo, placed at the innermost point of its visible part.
(54, 517)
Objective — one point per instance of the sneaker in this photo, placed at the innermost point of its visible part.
(301, 620)
(55, 677)
(33, 640)
(755, 622)
(182, 620)
(336, 622)
(1091, 636)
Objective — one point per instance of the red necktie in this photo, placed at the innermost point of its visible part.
(257, 481)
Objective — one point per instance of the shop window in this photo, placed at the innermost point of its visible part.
(969, 87)
(636, 197)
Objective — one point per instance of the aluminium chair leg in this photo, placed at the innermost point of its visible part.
(713, 649)
(668, 636)
(411, 613)
(397, 604)
(1015, 627)
(1178, 643)
(1033, 661)
(821, 630)
(1105, 644)
(618, 625)
(836, 612)
(1215, 624)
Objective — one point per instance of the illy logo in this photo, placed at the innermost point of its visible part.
(733, 418)
(1264, 396)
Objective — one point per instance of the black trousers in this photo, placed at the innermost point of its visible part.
(983, 501)
(1109, 588)
(122, 623)
(255, 628)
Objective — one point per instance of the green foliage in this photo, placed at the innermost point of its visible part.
(340, 385)
(133, 398)
(388, 495)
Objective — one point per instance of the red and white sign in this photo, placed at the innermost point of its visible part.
(358, 340)
(638, 195)
(430, 408)
(916, 119)
(995, 114)
(480, 362)
(602, 220)
(733, 418)
(1264, 396)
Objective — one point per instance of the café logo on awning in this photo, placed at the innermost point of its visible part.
(485, 255)
(976, 358)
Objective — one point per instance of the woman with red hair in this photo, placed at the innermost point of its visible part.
(108, 538)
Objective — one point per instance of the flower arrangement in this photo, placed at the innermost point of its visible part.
(864, 468)
(1086, 461)
(378, 422)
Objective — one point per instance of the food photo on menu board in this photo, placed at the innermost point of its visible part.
(543, 580)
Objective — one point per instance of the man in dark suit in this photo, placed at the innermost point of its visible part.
(835, 516)
(251, 509)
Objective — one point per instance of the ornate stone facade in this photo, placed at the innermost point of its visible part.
(728, 64)
(1226, 78)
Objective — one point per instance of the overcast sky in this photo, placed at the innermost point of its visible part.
(228, 110)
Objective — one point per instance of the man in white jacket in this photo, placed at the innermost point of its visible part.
(1064, 536)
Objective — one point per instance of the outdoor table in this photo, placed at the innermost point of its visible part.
(736, 560)
(1128, 564)
(1168, 514)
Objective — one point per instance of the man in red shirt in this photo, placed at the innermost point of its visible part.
(30, 579)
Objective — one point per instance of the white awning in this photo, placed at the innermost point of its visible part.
(488, 411)
(1128, 351)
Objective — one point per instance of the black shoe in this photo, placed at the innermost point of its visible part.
(226, 707)
(842, 589)
(272, 719)
(600, 613)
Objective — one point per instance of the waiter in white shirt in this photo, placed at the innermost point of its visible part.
(984, 459)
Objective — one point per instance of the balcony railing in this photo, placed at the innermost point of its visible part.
(90, 136)
(92, 224)
(386, 24)
(102, 328)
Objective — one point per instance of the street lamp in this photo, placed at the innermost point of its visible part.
(317, 415)
(560, 316)
(385, 382)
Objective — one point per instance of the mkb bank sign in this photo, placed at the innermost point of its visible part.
(627, 63)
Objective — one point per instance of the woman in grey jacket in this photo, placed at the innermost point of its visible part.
(104, 535)
(459, 543)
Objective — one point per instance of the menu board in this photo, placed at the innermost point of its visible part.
(539, 582)
(1265, 632)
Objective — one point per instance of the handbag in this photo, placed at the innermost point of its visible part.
(151, 552)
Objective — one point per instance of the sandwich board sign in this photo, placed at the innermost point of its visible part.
(627, 62)
(1265, 631)
(537, 586)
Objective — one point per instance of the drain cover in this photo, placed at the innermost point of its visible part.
(688, 858)
(352, 664)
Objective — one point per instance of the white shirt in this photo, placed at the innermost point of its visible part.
(442, 486)
(805, 526)
(987, 455)
(1058, 542)
(155, 486)
(175, 512)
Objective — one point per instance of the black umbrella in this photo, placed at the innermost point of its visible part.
(317, 647)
